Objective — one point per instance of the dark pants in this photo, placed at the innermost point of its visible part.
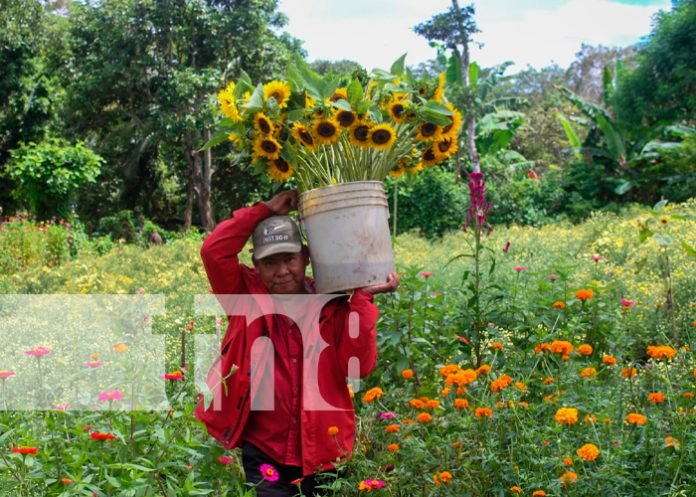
(253, 458)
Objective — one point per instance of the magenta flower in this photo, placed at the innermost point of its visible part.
(4, 373)
(479, 207)
(269, 473)
(519, 269)
(297, 481)
(224, 460)
(506, 248)
(173, 376)
(93, 364)
(425, 274)
(597, 258)
(110, 395)
(387, 415)
(628, 303)
(62, 407)
(38, 351)
(370, 484)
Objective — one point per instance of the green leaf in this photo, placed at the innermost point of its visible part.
(645, 233)
(375, 114)
(255, 103)
(341, 104)
(355, 92)
(615, 142)
(397, 68)
(570, 134)
(473, 74)
(624, 186)
(660, 205)
(453, 74)
(689, 249)
(217, 139)
(662, 240)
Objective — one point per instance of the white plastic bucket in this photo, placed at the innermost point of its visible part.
(347, 230)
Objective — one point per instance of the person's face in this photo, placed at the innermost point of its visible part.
(283, 273)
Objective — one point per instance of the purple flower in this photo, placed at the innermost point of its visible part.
(628, 303)
(479, 207)
(387, 415)
(506, 248)
(269, 473)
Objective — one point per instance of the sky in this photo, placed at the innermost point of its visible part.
(538, 33)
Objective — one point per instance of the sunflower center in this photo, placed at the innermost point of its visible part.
(361, 133)
(282, 165)
(444, 146)
(277, 95)
(269, 146)
(264, 126)
(345, 118)
(306, 137)
(398, 109)
(429, 154)
(428, 129)
(326, 130)
(381, 136)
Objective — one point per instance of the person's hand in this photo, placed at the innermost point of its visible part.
(391, 285)
(283, 203)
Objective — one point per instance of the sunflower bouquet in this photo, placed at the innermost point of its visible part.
(321, 133)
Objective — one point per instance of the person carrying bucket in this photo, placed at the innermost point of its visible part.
(287, 445)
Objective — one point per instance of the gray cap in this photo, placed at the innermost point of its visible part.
(276, 235)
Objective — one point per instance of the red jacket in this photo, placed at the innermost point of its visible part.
(226, 416)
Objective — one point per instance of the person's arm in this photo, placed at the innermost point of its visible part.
(221, 247)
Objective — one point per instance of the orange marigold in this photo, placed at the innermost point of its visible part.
(588, 452)
(585, 349)
(497, 346)
(548, 380)
(561, 347)
(567, 415)
(461, 403)
(567, 461)
(568, 478)
(538, 493)
(449, 369)
(462, 377)
(445, 392)
(372, 394)
(658, 352)
(584, 295)
(672, 442)
(332, 431)
(483, 412)
(688, 395)
(607, 359)
(656, 397)
(407, 373)
(432, 403)
(392, 447)
(417, 403)
(516, 489)
(629, 372)
(445, 476)
(424, 417)
(559, 305)
(635, 418)
(485, 368)
(392, 429)
(588, 373)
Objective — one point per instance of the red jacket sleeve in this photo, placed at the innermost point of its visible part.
(364, 345)
(221, 247)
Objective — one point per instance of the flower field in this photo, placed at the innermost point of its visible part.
(559, 364)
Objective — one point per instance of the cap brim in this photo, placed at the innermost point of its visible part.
(277, 248)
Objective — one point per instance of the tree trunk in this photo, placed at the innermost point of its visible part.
(204, 191)
(188, 212)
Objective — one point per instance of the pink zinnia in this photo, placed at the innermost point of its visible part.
(519, 269)
(175, 375)
(553, 277)
(139, 291)
(6, 374)
(38, 351)
(597, 258)
(387, 415)
(101, 436)
(93, 364)
(627, 303)
(110, 395)
(224, 460)
(269, 473)
(62, 407)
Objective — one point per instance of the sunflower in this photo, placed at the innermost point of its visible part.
(340, 93)
(382, 137)
(309, 102)
(279, 90)
(398, 110)
(302, 135)
(445, 148)
(429, 158)
(235, 139)
(228, 106)
(267, 147)
(263, 124)
(360, 134)
(346, 118)
(326, 131)
(440, 90)
(428, 131)
(397, 171)
(452, 129)
(279, 169)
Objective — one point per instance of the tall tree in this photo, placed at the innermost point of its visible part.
(454, 29)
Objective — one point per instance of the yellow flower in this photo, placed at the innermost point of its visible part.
(303, 135)
(428, 131)
(346, 118)
(228, 106)
(120, 347)
(267, 147)
(326, 131)
(372, 394)
(452, 129)
(588, 452)
(664, 220)
(398, 110)
(567, 415)
(263, 124)
(382, 136)
(279, 90)
(279, 169)
(429, 159)
(340, 93)
(440, 90)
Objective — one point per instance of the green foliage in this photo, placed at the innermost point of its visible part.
(430, 202)
(48, 174)
(128, 227)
